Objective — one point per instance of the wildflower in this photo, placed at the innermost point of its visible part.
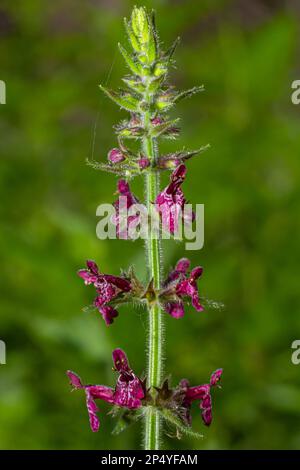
(115, 156)
(108, 287)
(179, 285)
(129, 389)
(171, 201)
(128, 393)
(125, 201)
(201, 393)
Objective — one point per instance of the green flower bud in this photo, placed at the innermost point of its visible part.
(140, 25)
(160, 69)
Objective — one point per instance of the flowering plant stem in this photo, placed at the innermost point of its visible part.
(153, 252)
(147, 99)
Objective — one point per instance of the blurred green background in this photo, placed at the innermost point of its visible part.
(53, 56)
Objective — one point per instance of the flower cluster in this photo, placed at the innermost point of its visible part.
(128, 392)
(170, 203)
(131, 394)
(201, 393)
(107, 287)
(179, 285)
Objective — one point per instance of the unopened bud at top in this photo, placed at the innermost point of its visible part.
(140, 25)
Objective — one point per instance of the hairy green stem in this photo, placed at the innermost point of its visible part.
(153, 250)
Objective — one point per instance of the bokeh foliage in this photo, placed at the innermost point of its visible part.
(53, 55)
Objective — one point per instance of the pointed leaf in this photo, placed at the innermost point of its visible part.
(126, 101)
(183, 155)
(124, 419)
(117, 169)
(170, 417)
(134, 66)
(187, 93)
(156, 131)
(170, 52)
(131, 36)
(153, 40)
(135, 85)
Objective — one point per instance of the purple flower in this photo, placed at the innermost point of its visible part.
(128, 393)
(171, 201)
(129, 389)
(182, 284)
(201, 393)
(107, 287)
(115, 156)
(126, 200)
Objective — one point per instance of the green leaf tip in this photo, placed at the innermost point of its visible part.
(126, 101)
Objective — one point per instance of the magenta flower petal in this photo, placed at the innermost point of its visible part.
(106, 292)
(75, 380)
(119, 282)
(128, 392)
(206, 407)
(215, 377)
(129, 389)
(170, 202)
(101, 392)
(182, 266)
(87, 276)
(175, 309)
(92, 267)
(108, 313)
(120, 361)
(92, 392)
(201, 393)
(92, 411)
(186, 286)
(126, 200)
(198, 392)
(180, 269)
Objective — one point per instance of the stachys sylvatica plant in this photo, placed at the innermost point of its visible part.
(148, 97)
